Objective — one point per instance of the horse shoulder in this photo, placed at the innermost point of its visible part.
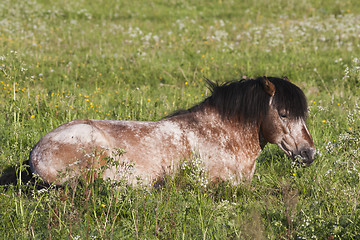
(227, 151)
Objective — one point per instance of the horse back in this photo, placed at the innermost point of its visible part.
(85, 144)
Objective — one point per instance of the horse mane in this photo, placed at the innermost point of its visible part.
(246, 101)
(290, 98)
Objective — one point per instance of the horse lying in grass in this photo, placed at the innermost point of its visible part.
(227, 130)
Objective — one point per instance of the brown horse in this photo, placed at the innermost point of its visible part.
(227, 131)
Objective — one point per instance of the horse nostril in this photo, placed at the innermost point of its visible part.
(308, 154)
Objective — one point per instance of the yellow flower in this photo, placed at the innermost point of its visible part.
(149, 99)
(102, 205)
(186, 83)
(324, 121)
(32, 116)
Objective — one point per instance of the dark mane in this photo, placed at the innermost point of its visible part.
(246, 101)
(290, 98)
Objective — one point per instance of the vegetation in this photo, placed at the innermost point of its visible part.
(141, 60)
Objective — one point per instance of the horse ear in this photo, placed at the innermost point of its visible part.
(286, 78)
(268, 86)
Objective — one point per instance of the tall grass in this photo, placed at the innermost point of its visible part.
(136, 60)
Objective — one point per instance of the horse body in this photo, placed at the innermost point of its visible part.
(153, 147)
(227, 141)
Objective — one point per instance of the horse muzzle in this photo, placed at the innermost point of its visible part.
(304, 156)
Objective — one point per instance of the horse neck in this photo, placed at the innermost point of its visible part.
(232, 146)
(207, 120)
(262, 140)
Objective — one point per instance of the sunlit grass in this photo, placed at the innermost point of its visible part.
(136, 60)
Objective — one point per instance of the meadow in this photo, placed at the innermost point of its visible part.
(142, 60)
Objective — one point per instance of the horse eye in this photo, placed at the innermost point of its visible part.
(282, 115)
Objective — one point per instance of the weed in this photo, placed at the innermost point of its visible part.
(136, 60)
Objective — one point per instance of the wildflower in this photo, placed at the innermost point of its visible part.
(328, 172)
(329, 147)
(186, 83)
(103, 205)
(32, 116)
(148, 99)
(324, 121)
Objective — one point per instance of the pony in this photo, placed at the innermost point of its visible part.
(227, 131)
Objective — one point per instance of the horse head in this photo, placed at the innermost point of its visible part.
(285, 121)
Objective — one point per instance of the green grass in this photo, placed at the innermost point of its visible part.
(141, 60)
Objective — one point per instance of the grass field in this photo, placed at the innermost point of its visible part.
(141, 60)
